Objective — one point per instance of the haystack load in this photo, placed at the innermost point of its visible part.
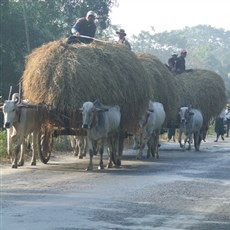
(162, 84)
(63, 78)
(204, 90)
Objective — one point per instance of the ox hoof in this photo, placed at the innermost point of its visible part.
(20, 163)
(118, 162)
(14, 166)
(100, 167)
(89, 169)
(33, 164)
(80, 157)
(109, 165)
(140, 156)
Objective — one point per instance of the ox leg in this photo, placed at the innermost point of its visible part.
(101, 165)
(91, 153)
(110, 163)
(188, 139)
(150, 149)
(90, 166)
(9, 144)
(15, 160)
(179, 139)
(156, 144)
(136, 142)
(22, 153)
(78, 149)
(15, 146)
(73, 143)
(34, 148)
(197, 140)
(140, 152)
(142, 146)
(111, 153)
(115, 156)
(121, 139)
(82, 147)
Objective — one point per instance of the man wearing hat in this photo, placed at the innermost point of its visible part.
(84, 26)
(122, 40)
(172, 61)
(180, 62)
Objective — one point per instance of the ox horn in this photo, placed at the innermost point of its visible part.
(16, 98)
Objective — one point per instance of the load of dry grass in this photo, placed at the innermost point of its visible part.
(162, 84)
(204, 90)
(64, 77)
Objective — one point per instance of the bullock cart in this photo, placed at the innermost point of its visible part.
(60, 78)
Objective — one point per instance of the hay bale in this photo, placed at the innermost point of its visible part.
(65, 77)
(162, 84)
(204, 90)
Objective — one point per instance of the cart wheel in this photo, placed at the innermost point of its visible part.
(46, 144)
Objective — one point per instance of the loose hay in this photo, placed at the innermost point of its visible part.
(65, 77)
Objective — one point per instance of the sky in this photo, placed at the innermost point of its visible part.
(168, 15)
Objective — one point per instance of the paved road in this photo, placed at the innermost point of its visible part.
(180, 190)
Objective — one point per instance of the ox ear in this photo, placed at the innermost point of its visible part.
(189, 106)
(97, 102)
(101, 109)
(150, 111)
(20, 106)
(1, 108)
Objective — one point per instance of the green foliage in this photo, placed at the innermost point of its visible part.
(61, 143)
(3, 144)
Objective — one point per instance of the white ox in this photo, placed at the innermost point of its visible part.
(102, 124)
(152, 125)
(191, 121)
(20, 122)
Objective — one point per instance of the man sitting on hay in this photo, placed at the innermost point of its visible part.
(84, 29)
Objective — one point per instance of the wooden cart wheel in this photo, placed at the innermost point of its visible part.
(46, 144)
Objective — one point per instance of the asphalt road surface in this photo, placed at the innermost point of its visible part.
(181, 190)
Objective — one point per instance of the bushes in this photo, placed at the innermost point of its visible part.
(62, 143)
(3, 149)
